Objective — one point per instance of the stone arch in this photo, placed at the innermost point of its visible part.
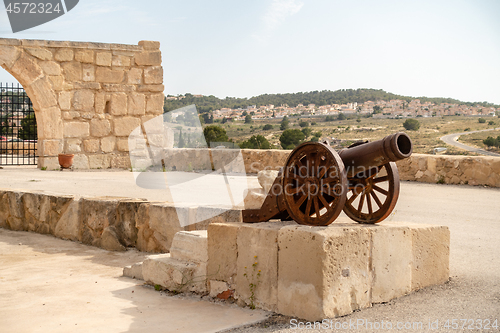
(87, 97)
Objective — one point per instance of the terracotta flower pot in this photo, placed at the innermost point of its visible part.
(66, 160)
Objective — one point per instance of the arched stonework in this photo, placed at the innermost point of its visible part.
(87, 97)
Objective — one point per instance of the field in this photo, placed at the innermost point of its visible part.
(351, 130)
(476, 139)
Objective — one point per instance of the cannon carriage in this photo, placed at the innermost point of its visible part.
(317, 183)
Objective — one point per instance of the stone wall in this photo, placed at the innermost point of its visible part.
(472, 170)
(87, 97)
(110, 223)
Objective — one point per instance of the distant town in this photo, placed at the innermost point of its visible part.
(396, 108)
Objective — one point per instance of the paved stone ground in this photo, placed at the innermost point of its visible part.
(471, 213)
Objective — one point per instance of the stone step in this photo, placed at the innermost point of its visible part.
(190, 246)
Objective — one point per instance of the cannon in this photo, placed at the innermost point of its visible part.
(317, 183)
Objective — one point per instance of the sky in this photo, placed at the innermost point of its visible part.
(434, 48)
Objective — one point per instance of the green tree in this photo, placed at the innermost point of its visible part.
(214, 133)
(411, 124)
(481, 120)
(267, 127)
(342, 116)
(329, 118)
(28, 129)
(491, 122)
(303, 124)
(248, 119)
(284, 123)
(307, 131)
(256, 142)
(290, 138)
(224, 120)
(492, 142)
(378, 109)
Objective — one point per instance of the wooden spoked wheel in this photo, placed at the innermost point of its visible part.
(373, 194)
(314, 184)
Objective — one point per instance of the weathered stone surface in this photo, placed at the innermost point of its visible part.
(109, 240)
(218, 287)
(154, 103)
(49, 123)
(57, 82)
(96, 214)
(9, 55)
(107, 75)
(83, 100)
(64, 54)
(65, 98)
(26, 70)
(164, 221)
(134, 271)
(69, 224)
(150, 87)
(100, 127)
(103, 58)
(150, 58)
(190, 246)
(91, 145)
(108, 144)
(257, 264)
(149, 45)
(99, 161)
(88, 72)
(72, 71)
(118, 104)
(84, 56)
(120, 61)
(50, 67)
(126, 220)
(40, 53)
(134, 76)
(52, 147)
(431, 255)
(80, 161)
(122, 145)
(136, 104)
(76, 129)
(120, 162)
(266, 179)
(254, 198)
(323, 271)
(73, 146)
(153, 75)
(124, 126)
(41, 94)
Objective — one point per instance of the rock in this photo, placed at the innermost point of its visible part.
(109, 240)
(266, 179)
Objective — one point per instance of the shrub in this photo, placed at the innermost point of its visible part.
(267, 127)
(290, 138)
(481, 120)
(303, 124)
(256, 142)
(411, 124)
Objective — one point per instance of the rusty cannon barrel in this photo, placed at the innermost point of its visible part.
(365, 156)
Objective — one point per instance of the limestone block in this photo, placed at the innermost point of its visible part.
(80, 161)
(391, 261)
(109, 240)
(124, 126)
(126, 220)
(112, 87)
(173, 274)
(72, 71)
(106, 75)
(166, 220)
(149, 45)
(85, 56)
(134, 271)
(83, 100)
(218, 287)
(91, 145)
(65, 100)
(431, 253)
(120, 61)
(324, 272)
(190, 246)
(73, 146)
(50, 124)
(254, 198)
(76, 129)
(68, 225)
(42, 54)
(51, 163)
(136, 104)
(64, 55)
(108, 144)
(57, 82)
(155, 103)
(99, 161)
(100, 127)
(4, 209)
(118, 104)
(9, 55)
(150, 87)
(50, 67)
(88, 73)
(266, 179)
(103, 58)
(222, 251)
(96, 214)
(153, 75)
(51, 147)
(26, 70)
(16, 220)
(207, 215)
(257, 264)
(134, 76)
(120, 162)
(148, 58)
(122, 145)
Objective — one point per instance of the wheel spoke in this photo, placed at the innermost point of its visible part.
(296, 190)
(323, 201)
(381, 190)
(361, 202)
(316, 206)
(298, 178)
(307, 213)
(381, 179)
(369, 202)
(377, 200)
(351, 199)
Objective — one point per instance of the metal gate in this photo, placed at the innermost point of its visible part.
(18, 133)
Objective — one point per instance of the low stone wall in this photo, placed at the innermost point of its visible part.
(472, 170)
(109, 223)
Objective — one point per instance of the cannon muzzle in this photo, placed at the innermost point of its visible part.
(366, 156)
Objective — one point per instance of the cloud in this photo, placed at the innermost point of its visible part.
(276, 14)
